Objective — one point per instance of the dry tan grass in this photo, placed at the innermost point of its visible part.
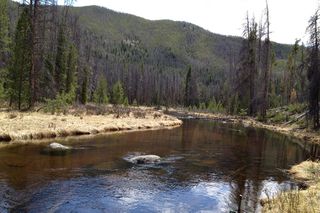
(307, 171)
(35, 125)
(299, 201)
(296, 201)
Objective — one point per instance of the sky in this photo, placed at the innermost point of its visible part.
(288, 18)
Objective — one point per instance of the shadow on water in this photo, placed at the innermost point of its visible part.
(205, 166)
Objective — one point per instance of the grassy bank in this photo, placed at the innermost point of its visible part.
(297, 201)
(285, 120)
(85, 120)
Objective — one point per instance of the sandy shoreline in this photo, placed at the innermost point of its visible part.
(19, 126)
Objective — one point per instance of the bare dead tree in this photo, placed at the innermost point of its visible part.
(266, 67)
(313, 70)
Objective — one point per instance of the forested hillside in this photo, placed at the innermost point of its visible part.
(161, 51)
(92, 50)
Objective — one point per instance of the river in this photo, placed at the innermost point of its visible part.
(206, 167)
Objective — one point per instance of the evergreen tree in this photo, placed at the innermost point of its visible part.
(84, 88)
(71, 78)
(2, 92)
(61, 61)
(290, 79)
(101, 93)
(302, 76)
(4, 33)
(188, 89)
(4, 45)
(118, 96)
(288, 74)
(252, 67)
(19, 73)
(191, 90)
(47, 81)
(247, 73)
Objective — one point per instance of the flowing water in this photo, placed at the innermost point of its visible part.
(206, 167)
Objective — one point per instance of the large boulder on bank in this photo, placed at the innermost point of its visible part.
(58, 146)
(145, 159)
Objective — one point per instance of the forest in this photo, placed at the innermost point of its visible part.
(103, 111)
(57, 55)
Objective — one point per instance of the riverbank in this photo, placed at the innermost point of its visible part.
(297, 201)
(291, 130)
(26, 126)
(307, 172)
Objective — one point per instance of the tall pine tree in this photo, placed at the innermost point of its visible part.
(84, 88)
(4, 45)
(101, 92)
(191, 90)
(248, 69)
(118, 96)
(19, 74)
(252, 66)
(61, 61)
(71, 75)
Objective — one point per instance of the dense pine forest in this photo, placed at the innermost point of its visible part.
(57, 55)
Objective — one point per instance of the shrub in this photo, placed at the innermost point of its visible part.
(139, 114)
(2, 92)
(126, 102)
(135, 103)
(216, 107)
(275, 100)
(60, 104)
(279, 118)
(120, 111)
(118, 93)
(101, 93)
(243, 112)
(202, 106)
(296, 108)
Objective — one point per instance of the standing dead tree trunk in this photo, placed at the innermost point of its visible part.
(313, 70)
(266, 67)
(252, 67)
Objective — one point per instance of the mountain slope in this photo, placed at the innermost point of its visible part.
(150, 58)
(187, 42)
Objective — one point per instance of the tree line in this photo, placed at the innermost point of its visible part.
(259, 82)
(40, 58)
(47, 55)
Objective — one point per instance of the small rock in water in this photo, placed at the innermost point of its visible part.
(57, 146)
(144, 159)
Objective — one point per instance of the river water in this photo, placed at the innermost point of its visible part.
(206, 167)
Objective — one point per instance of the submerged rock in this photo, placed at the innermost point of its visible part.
(58, 146)
(144, 159)
(56, 149)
